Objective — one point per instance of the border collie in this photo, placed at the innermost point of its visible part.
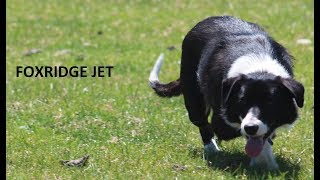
(235, 69)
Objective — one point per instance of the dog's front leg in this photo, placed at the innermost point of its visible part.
(210, 149)
(265, 158)
(210, 144)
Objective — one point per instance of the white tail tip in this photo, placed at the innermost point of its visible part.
(156, 69)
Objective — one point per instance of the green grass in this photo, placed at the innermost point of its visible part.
(127, 130)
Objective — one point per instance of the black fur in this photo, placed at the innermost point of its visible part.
(208, 51)
(167, 90)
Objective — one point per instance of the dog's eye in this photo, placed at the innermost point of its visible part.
(242, 101)
(242, 107)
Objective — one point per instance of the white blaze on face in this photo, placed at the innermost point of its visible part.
(252, 119)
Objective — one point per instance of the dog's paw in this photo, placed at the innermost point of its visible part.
(210, 149)
(212, 146)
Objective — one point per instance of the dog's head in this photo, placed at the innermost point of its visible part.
(261, 103)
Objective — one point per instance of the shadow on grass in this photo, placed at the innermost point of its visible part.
(237, 163)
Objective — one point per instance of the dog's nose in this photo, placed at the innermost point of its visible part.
(251, 129)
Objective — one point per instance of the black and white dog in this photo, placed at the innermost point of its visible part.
(235, 69)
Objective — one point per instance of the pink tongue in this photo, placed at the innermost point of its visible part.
(254, 146)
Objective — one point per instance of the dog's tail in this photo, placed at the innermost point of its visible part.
(163, 90)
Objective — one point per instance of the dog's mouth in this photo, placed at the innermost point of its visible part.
(254, 145)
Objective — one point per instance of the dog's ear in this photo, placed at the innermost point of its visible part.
(295, 88)
(229, 86)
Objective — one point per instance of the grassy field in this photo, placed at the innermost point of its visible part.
(127, 130)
